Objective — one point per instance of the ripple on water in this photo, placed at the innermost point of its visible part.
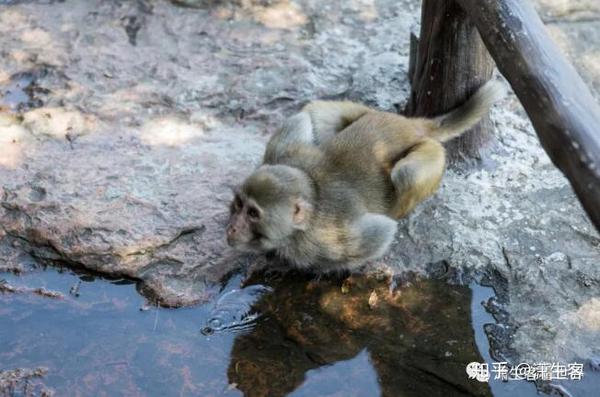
(234, 311)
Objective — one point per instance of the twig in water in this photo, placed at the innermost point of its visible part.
(155, 318)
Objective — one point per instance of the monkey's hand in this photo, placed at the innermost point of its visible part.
(372, 236)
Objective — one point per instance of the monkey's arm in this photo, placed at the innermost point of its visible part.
(330, 117)
(372, 235)
(297, 131)
(417, 175)
(316, 123)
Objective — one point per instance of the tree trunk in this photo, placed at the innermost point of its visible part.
(451, 63)
(564, 113)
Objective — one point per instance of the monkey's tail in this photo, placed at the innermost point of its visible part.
(459, 120)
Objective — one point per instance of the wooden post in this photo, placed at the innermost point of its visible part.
(564, 113)
(451, 63)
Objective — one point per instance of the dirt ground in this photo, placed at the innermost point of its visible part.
(125, 123)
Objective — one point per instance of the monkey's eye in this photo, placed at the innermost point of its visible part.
(253, 213)
(236, 204)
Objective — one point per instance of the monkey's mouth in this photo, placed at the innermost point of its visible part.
(233, 242)
(242, 246)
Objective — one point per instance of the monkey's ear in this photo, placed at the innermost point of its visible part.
(302, 210)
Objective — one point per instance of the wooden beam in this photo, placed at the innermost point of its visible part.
(448, 63)
(564, 113)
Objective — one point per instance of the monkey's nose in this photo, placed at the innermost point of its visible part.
(230, 235)
(231, 230)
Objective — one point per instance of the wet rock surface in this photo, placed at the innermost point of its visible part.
(24, 382)
(124, 124)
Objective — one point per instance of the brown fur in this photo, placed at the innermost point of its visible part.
(338, 172)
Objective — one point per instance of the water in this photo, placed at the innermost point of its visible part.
(278, 335)
(234, 310)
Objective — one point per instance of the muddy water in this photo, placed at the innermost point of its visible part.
(276, 335)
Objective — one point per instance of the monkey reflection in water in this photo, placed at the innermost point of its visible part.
(418, 339)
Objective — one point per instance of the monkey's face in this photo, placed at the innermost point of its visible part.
(257, 228)
(243, 231)
(265, 212)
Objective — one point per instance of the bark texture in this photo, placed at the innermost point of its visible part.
(451, 63)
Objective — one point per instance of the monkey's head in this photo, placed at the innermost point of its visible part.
(271, 205)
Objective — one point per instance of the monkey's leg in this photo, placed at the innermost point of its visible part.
(296, 130)
(373, 234)
(417, 175)
(330, 117)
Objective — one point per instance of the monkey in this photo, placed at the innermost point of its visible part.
(336, 177)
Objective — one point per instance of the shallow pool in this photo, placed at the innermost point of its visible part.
(275, 335)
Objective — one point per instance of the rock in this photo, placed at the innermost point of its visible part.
(143, 212)
(568, 10)
(165, 108)
(23, 381)
(58, 123)
(13, 138)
